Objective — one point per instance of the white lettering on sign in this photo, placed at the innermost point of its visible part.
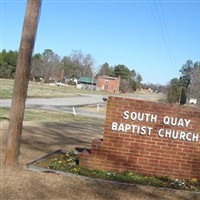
(152, 118)
(140, 116)
(142, 130)
(181, 135)
(174, 121)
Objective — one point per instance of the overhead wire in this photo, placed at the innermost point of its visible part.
(162, 29)
(163, 33)
(167, 33)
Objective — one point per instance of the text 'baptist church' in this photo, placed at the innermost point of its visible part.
(151, 118)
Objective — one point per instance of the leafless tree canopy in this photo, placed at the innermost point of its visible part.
(194, 88)
(49, 65)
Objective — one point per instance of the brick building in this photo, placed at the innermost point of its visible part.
(108, 84)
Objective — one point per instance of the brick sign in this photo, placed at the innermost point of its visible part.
(148, 137)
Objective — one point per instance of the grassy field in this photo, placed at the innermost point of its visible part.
(38, 89)
(49, 116)
(6, 88)
(45, 90)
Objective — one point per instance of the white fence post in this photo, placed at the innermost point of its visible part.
(97, 107)
(74, 111)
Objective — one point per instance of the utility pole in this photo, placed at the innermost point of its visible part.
(22, 75)
(62, 75)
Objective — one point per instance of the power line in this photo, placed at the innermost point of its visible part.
(162, 29)
(163, 33)
(167, 34)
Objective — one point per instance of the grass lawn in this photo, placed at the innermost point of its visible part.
(47, 116)
(37, 90)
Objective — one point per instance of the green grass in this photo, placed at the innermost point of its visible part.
(69, 163)
(46, 116)
(126, 177)
(4, 114)
(6, 88)
(136, 178)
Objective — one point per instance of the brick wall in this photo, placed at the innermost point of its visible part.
(108, 84)
(165, 142)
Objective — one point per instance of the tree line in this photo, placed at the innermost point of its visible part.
(187, 85)
(8, 62)
(51, 67)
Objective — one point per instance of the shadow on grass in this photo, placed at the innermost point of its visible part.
(52, 136)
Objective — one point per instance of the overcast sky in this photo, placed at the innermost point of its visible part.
(155, 38)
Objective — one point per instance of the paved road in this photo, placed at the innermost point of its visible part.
(63, 104)
(67, 101)
(66, 104)
(78, 100)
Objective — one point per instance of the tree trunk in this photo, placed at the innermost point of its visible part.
(21, 81)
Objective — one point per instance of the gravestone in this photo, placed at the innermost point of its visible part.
(148, 137)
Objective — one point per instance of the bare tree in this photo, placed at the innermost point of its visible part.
(88, 63)
(81, 64)
(36, 66)
(21, 81)
(77, 59)
(51, 65)
(194, 87)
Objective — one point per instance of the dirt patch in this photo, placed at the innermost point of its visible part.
(39, 139)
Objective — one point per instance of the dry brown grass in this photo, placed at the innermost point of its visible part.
(39, 90)
(39, 139)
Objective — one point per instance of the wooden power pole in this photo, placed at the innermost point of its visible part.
(21, 81)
